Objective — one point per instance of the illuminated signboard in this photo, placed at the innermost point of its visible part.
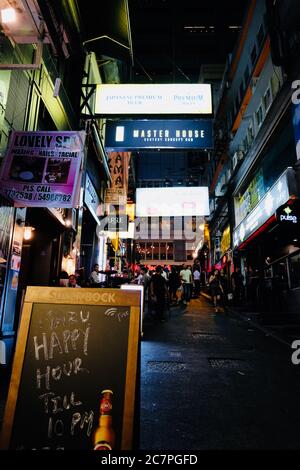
(279, 194)
(171, 98)
(288, 214)
(151, 134)
(116, 223)
(91, 198)
(42, 169)
(172, 202)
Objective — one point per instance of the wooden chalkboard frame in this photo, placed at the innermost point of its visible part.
(85, 296)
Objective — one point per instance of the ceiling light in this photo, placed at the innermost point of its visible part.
(8, 15)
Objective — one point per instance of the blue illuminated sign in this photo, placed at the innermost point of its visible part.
(162, 134)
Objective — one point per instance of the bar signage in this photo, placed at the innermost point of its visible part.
(151, 134)
(171, 98)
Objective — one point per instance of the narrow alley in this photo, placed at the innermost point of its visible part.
(208, 381)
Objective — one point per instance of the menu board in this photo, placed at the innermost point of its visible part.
(72, 345)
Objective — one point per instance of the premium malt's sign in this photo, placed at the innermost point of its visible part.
(139, 134)
(73, 346)
(41, 169)
(171, 98)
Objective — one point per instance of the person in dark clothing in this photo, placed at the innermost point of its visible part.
(237, 282)
(174, 283)
(158, 292)
(216, 288)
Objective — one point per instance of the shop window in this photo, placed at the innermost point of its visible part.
(294, 265)
(170, 251)
(155, 250)
(163, 254)
(148, 251)
(141, 250)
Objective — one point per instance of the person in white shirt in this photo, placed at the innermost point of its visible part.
(196, 277)
(96, 278)
(186, 279)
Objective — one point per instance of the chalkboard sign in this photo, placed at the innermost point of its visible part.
(72, 345)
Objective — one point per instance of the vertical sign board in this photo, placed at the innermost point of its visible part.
(72, 344)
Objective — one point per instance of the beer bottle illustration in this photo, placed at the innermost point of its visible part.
(104, 435)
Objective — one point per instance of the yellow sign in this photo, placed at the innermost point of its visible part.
(225, 240)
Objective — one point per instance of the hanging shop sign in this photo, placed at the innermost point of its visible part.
(115, 223)
(225, 240)
(91, 198)
(41, 169)
(279, 194)
(74, 372)
(171, 98)
(118, 163)
(152, 134)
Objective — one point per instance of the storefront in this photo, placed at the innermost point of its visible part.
(267, 246)
(93, 243)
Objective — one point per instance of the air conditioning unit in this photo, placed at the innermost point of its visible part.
(253, 83)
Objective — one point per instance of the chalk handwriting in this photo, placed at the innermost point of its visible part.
(56, 373)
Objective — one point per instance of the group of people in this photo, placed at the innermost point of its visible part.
(224, 289)
(162, 286)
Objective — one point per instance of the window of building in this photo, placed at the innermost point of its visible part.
(163, 251)
(275, 83)
(246, 76)
(259, 116)
(237, 104)
(253, 55)
(260, 36)
(155, 250)
(148, 250)
(250, 134)
(245, 144)
(267, 99)
(170, 251)
(242, 90)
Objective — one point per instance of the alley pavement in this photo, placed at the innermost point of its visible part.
(213, 381)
